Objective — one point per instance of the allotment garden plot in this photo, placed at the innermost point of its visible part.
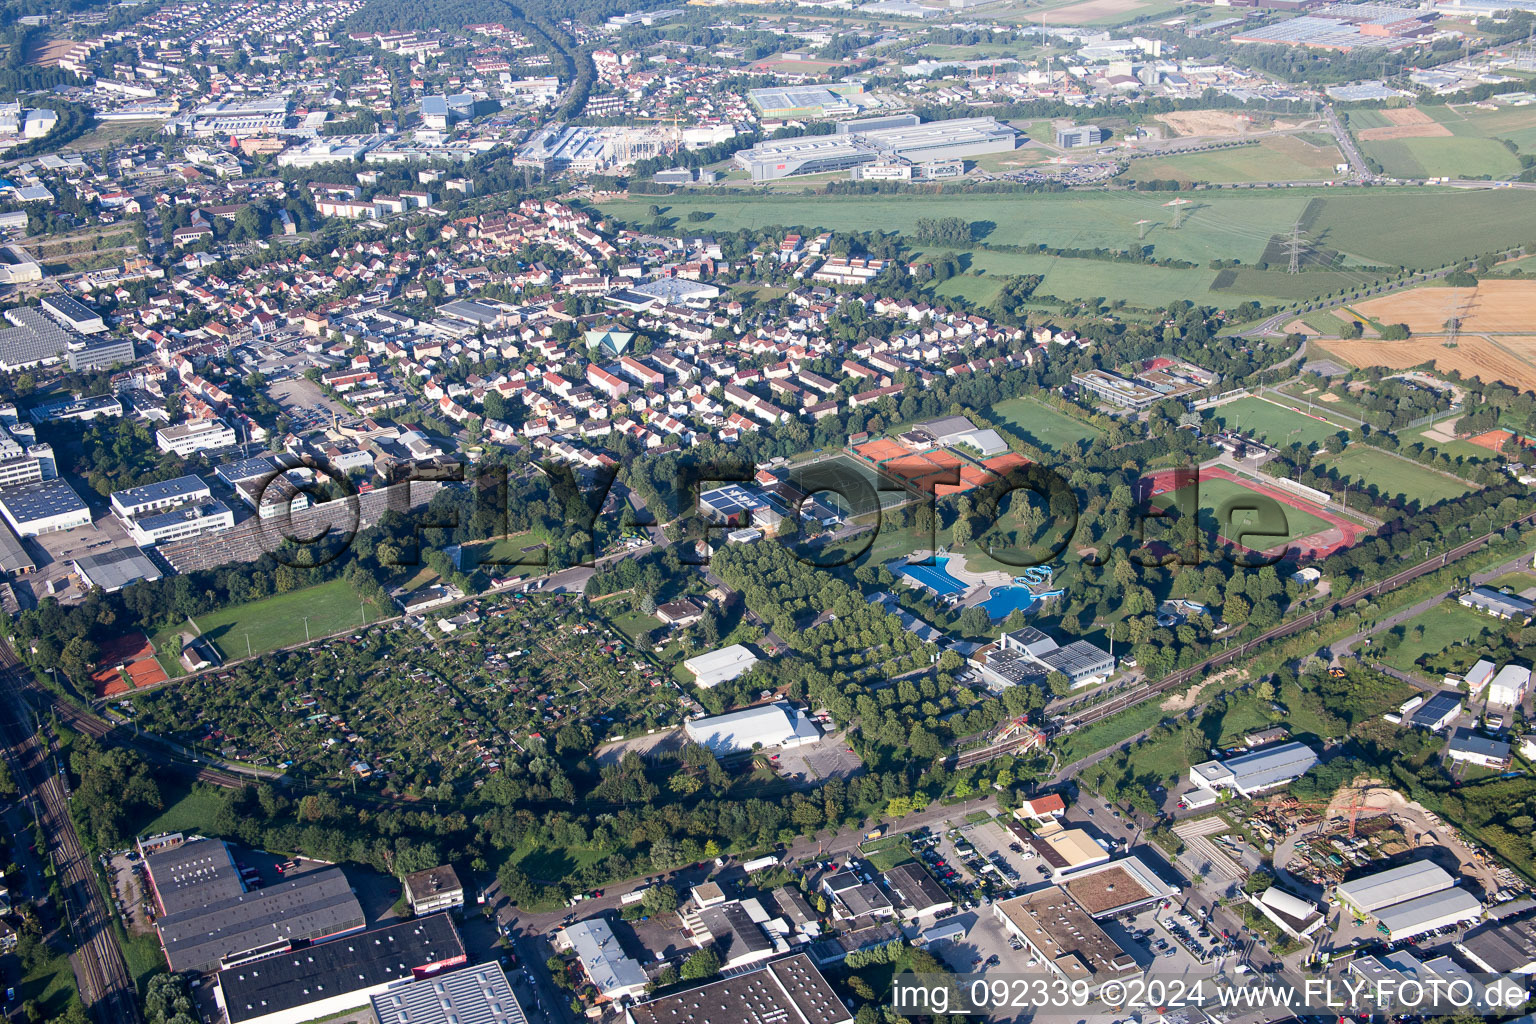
(400, 707)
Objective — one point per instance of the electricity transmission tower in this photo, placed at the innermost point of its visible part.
(1293, 248)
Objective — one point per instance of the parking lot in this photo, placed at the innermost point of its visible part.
(831, 758)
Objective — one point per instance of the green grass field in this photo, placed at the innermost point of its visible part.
(190, 809)
(273, 622)
(1447, 156)
(1394, 475)
(1042, 425)
(1445, 624)
(1270, 423)
(1455, 449)
(1216, 493)
(1278, 158)
(1375, 227)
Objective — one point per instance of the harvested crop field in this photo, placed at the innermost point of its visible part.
(1091, 11)
(1408, 123)
(1206, 122)
(1492, 307)
(1509, 359)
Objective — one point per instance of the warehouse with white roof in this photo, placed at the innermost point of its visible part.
(1371, 893)
(768, 725)
(716, 667)
(1258, 772)
(1441, 909)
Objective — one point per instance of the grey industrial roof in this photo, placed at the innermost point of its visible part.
(328, 969)
(33, 338)
(421, 884)
(1468, 742)
(13, 553)
(311, 905)
(1504, 604)
(192, 874)
(605, 961)
(1433, 910)
(182, 487)
(71, 310)
(41, 499)
(1502, 947)
(915, 886)
(114, 569)
(1404, 882)
(774, 992)
(474, 995)
(152, 521)
(735, 933)
(1269, 766)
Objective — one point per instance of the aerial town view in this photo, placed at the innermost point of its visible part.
(767, 511)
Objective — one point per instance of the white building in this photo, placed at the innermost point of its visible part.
(181, 523)
(607, 966)
(1509, 687)
(1373, 892)
(196, 436)
(46, 506)
(768, 725)
(1258, 772)
(134, 501)
(716, 667)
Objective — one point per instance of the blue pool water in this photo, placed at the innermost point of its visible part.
(1004, 601)
(935, 577)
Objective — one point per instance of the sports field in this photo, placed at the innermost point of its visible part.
(1277, 158)
(1238, 525)
(847, 485)
(1270, 423)
(1043, 426)
(1393, 475)
(274, 622)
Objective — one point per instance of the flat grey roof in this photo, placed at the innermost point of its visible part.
(13, 553)
(474, 995)
(181, 487)
(313, 905)
(327, 969)
(115, 569)
(191, 874)
(33, 338)
(41, 499)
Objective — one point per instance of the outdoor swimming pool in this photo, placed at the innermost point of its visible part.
(1004, 601)
(935, 577)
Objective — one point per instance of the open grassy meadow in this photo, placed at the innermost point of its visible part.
(1277, 158)
(1453, 156)
(1042, 425)
(1431, 632)
(1368, 227)
(1271, 423)
(1394, 475)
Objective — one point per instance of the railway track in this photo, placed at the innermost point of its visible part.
(1146, 691)
(101, 973)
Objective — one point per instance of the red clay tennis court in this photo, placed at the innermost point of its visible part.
(1494, 440)
(131, 654)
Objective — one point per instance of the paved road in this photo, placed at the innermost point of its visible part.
(100, 971)
(1347, 144)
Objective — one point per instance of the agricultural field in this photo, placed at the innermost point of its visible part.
(1393, 475)
(1043, 426)
(396, 707)
(1084, 12)
(1277, 158)
(1497, 343)
(1368, 227)
(1271, 423)
(1443, 141)
(272, 623)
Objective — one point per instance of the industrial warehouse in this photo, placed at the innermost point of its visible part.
(897, 138)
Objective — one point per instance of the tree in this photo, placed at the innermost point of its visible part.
(1058, 683)
(659, 899)
(701, 966)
